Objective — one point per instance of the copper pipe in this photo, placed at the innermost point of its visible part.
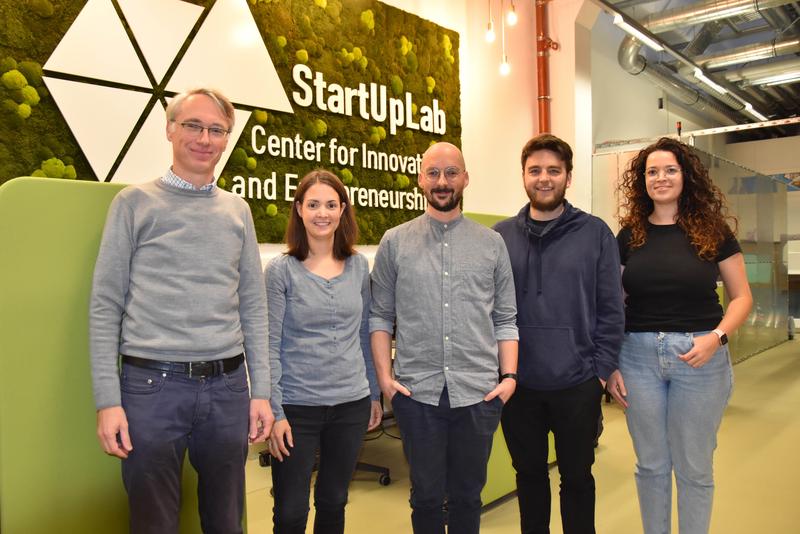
(542, 67)
(543, 46)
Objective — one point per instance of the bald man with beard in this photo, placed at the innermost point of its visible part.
(444, 285)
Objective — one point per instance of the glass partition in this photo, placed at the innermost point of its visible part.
(759, 203)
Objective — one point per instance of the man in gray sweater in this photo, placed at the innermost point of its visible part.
(178, 298)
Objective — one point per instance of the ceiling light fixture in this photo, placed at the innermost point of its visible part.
(779, 79)
(748, 107)
(490, 35)
(628, 28)
(511, 16)
(505, 67)
(698, 73)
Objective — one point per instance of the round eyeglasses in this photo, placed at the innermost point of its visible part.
(432, 174)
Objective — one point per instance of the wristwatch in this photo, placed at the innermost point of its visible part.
(723, 337)
(509, 375)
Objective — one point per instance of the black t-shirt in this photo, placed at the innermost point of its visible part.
(536, 226)
(669, 288)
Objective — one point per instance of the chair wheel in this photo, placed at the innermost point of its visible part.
(385, 480)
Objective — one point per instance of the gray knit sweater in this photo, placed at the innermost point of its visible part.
(178, 278)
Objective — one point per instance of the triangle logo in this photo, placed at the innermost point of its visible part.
(114, 71)
(160, 37)
(230, 32)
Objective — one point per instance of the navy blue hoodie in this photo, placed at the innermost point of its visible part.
(569, 298)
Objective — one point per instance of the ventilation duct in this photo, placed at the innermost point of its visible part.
(748, 53)
(706, 11)
(773, 73)
(630, 60)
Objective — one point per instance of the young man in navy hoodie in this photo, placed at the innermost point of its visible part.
(571, 321)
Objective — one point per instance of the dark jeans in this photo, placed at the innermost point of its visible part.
(169, 413)
(337, 432)
(572, 415)
(447, 451)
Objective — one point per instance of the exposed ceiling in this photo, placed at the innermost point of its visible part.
(748, 49)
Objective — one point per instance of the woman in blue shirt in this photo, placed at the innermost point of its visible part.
(324, 392)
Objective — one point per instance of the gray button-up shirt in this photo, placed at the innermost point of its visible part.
(319, 350)
(449, 289)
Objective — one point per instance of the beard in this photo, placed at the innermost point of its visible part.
(448, 205)
(547, 205)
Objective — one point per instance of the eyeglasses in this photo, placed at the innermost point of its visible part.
(670, 172)
(432, 174)
(196, 130)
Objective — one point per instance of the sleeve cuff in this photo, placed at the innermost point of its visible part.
(380, 325)
(506, 333)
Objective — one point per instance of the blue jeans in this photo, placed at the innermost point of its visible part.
(168, 414)
(447, 451)
(673, 414)
(338, 433)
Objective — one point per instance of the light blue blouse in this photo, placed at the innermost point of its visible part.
(319, 349)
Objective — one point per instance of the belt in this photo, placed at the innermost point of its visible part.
(189, 369)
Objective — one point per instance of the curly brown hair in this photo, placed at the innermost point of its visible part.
(702, 208)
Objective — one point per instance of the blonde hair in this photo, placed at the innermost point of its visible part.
(222, 102)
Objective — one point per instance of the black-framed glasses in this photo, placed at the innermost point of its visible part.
(432, 174)
(196, 130)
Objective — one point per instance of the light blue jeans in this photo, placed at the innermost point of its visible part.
(673, 415)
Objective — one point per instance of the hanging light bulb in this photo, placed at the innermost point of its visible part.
(505, 67)
(490, 36)
(511, 16)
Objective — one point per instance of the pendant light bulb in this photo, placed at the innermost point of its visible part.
(511, 16)
(490, 35)
(505, 67)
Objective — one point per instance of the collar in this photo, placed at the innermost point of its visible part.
(170, 178)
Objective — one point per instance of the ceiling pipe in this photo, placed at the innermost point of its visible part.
(787, 94)
(543, 46)
(748, 53)
(757, 97)
(741, 55)
(754, 75)
(706, 11)
(705, 36)
(630, 60)
(780, 14)
(701, 12)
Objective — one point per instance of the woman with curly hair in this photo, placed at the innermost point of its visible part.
(675, 375)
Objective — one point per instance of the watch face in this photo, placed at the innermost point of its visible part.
(723, 339)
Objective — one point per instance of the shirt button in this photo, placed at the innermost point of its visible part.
(446, 273)
(446, 368)
(445, 226)
(447, 338)
(445, 244)
(446, 305)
